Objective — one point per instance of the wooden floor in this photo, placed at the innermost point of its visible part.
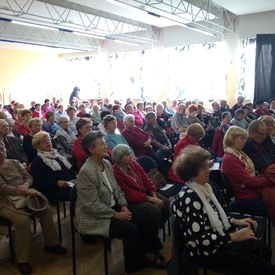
(89, 258)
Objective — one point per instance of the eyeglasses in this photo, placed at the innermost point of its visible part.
(261, 134)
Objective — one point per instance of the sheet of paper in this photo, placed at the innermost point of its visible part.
(216, 166)
(167, 186)
(71, 183)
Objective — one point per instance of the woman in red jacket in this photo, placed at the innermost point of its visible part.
(251, 192)
(139, 190)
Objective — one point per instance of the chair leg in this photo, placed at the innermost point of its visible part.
(269, 232)
(11, 245)
(73, 247)
(58, 221)
(64, 209)
(164, 233)
(105, 245)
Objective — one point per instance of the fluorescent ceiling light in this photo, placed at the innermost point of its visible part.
(124, 5)
(198, 30)
(34, 25)
(89, 35)
(123, 42)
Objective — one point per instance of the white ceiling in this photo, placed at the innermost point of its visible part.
(137, 14)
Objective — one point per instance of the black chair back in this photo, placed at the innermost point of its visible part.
(146, 163)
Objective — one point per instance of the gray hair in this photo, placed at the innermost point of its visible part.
(61, 118)
(10, 121)
(119, 152)
(89, 140)
(128, 117)
(150, 115)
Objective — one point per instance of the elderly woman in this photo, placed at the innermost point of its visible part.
(137, 138)
(194, 133)
(240, 173)
(119, 115)
(50, 170)
(269, 123)
(25, 117)
(138, 118)
(112, 135)
(34, 126)
(50, 126)
(159, 140)
(139, 190)
(101, 208)
(15, 180)
(12, 131)
(64, 137)
(83, 126)
(96, 114)
(72, 119)
(203, 223)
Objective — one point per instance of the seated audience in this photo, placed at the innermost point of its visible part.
(81, 110)
(159, 140)
(225, 125)
(60, 112)
(34, 126)
(270, 126)
(64, 137)
(239, 119)
(272, 106)
(25, 116)
(72, 119)
(259, 146)
(96, 114)
(238, 104)
(12, 131)
(163, 120)
(174, 107)
(38, 112)
(194, 133)
(140, 192)
(216, 110)
(239, 170)
(179, 121)
(138, 118)
(260, 111)
(16, 181)
(100, 126)
(51, 171)
(13, 145)
(50, 126)
(101, 209)
(83, 126)
(119, 115)
(203, 225)
(47, 106)
(137, 138)
(112, 135)
(140, 110)
(250, 111)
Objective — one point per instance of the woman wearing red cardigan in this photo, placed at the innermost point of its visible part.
(139, 190)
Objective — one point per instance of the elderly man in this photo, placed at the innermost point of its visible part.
(179, 121)
(13, 145)
(259, 147)
(238, 105)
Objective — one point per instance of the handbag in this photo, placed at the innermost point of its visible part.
(16, 204)
(156, 177)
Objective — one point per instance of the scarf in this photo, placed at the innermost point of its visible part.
(69, 135)
(248, 164)
(49, 158)
(205, 193)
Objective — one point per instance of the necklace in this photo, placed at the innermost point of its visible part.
(134, 176)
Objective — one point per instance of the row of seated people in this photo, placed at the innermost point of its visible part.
(248, 164)
(51, 173)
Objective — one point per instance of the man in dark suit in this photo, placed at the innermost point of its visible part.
(13, 145)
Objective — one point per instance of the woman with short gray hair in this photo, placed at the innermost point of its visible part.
(101, 208)
(139, 190)
(137, 138)
(64, 137)
(159, 140)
